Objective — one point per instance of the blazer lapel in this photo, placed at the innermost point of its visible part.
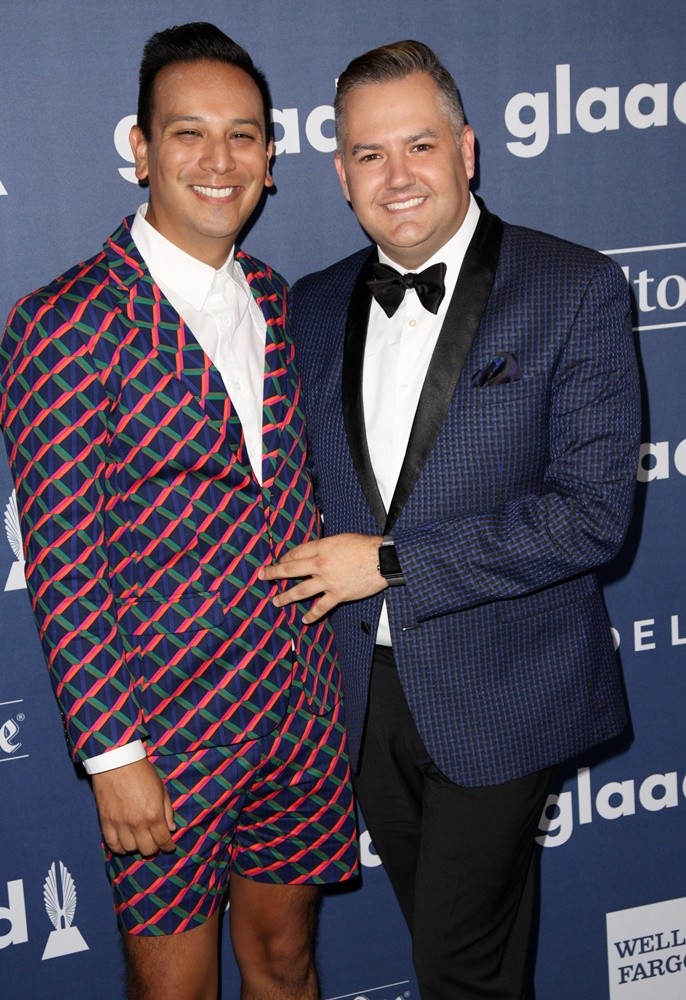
(173, 345)
(353, 409)
(268, 293)
(462, 320)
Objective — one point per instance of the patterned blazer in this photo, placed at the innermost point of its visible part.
(144, 526)
(508, 496)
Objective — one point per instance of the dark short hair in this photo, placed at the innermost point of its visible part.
(193, 42)
(395, 62)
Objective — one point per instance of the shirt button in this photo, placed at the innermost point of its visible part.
(412, 323)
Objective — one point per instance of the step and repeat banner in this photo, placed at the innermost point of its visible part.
(580, 112)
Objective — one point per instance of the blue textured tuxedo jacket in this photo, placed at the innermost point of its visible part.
(508, 497)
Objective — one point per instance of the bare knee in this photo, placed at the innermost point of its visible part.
(181, 966)
(273, 932)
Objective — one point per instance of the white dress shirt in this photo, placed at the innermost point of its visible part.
(218, 307)
(396, 359)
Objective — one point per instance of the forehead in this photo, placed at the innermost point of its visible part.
(410, 102)
(205, 88)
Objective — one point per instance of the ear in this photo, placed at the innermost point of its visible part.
(467, 149)
(139, 148)
(268, 179)
(340, 170)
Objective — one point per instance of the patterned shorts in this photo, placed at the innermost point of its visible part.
(278, 809)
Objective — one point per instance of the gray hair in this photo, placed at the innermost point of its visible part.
(395, 62)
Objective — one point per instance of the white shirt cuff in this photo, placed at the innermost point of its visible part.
(117, 757)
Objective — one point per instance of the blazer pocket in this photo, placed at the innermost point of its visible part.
(190, 614)
(502, 392)
(549, 600)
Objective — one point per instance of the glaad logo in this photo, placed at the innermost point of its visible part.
(318, 133)
(613, 800)
(59, 895)
(60, 903)
(16, 579)
(654, 460)
(645, 951)
(597, 109)
(9, 731)
(15, 915)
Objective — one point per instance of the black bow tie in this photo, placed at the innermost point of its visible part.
(389, 286)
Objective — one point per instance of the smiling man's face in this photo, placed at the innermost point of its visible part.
(207, 158)
(402, 169)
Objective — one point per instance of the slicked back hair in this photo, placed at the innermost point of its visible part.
(194, 42)
(395, 62)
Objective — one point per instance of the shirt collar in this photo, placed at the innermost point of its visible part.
(453, 252)
(172, 267)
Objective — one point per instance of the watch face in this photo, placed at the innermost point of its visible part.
(389, 564)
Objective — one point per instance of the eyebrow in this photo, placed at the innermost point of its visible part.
(372, 147)
(198, 119)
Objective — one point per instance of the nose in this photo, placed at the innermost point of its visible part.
(399, 172)
(217, 156)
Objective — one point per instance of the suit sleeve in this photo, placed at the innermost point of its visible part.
(578, 518)
(54, 409)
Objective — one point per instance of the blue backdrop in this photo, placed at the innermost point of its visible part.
(580, 112)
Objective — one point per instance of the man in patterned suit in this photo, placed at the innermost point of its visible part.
(478, 464)
(152, 417)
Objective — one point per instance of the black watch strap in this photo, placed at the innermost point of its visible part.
(389, 564)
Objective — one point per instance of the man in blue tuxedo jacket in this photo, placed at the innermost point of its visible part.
(477, 466)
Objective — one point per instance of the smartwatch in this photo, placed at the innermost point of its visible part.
(389, 564)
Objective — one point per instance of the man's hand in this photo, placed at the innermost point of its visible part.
(332, 570)
(135, 810)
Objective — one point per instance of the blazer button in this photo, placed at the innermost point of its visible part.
(366, 628)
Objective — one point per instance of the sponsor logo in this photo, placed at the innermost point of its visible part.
(290, 127)
(648, 633)
(646, 951)
(16, 579)
(657, 277)
(596, 109)
(391, 991)
(11, 721)
(59, 897)
(614, 800)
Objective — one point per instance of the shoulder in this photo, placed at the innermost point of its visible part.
(54, 310)
(264, 276)
(553, 257)
(338, 276)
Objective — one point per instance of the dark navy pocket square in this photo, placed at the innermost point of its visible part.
(501, 368)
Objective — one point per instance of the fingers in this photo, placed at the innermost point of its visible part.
(302, 591)
(147, 838)
(135, 810)
(318, 609)
(287, 568)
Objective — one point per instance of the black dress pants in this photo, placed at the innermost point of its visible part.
(461, 860)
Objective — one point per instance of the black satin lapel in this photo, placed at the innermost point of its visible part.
(353, 409)
(462, 320)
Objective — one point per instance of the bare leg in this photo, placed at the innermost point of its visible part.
(272, 932)
(174, 966)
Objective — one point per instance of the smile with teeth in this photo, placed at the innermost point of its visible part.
(398, 206)
(218, 193)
